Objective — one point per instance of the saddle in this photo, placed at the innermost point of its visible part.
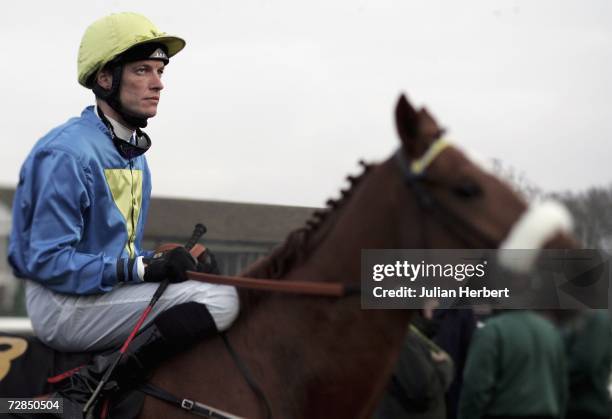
(29, 368)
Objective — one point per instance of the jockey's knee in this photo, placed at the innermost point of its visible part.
(223, 304)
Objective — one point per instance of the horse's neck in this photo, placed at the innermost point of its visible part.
(322, 347)
(314, 356)
(369, 220)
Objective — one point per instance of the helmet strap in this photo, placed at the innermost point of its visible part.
(125, 148)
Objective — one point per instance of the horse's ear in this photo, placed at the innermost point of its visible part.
(428, 126)
(407, 123)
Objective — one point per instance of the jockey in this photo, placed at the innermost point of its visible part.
(79, 213)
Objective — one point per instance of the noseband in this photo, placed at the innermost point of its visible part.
(414, 174)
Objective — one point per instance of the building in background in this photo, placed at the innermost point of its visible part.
(238, 234)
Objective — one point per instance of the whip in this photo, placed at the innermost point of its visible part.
(198, 232)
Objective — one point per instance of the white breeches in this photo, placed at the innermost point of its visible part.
(75, 323)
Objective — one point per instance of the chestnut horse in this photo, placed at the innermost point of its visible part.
(322, 357)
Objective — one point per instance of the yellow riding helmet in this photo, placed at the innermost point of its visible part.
(110, 36)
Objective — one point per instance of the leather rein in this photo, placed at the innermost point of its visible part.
(321, 289)
(413, 173)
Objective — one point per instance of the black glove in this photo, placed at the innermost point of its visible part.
(208, 263)
(171, 265)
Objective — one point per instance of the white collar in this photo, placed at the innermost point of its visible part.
(121, 131)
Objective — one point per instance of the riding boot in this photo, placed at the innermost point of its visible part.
(173, 331)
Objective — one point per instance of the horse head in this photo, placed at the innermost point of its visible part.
(480, 209)
(428, 194)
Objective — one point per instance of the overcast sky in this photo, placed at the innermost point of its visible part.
(275, 101)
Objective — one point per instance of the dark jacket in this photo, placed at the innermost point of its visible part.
(416, 389)
(589, 351)
(455, 329)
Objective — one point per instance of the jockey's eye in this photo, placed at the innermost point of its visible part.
(467, 189)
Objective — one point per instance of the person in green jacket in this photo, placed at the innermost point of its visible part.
(516, 368)
(588, 340)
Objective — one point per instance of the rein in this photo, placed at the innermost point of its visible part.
(414, 176)
(321, 289)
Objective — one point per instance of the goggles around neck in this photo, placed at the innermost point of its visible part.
(140, 140)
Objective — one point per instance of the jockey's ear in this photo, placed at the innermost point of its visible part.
(408, 124)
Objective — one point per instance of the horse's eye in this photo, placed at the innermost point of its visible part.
(467, 189)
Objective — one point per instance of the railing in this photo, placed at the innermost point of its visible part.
(17, 325)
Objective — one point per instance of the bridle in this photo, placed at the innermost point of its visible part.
(415, 177)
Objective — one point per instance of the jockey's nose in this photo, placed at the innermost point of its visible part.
(156, 82)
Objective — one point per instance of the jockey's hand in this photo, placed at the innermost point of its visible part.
(172, 265)
(207, 263)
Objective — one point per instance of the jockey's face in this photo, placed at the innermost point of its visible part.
(141, 86)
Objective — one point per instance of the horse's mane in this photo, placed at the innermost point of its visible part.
(301, 241)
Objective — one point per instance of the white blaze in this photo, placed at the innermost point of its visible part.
(535, 227)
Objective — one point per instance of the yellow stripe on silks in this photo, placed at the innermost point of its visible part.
(126, 187)
(419, 166)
